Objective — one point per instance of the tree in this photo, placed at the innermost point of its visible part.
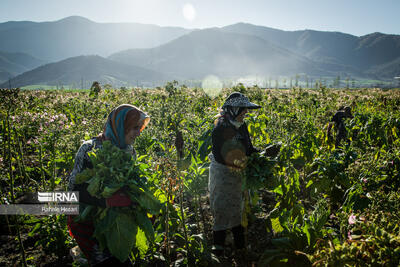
(306, 77)
(317, 84)
(171, 87)
(337, 81)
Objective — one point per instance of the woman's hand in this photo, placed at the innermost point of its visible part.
(240, 163)
(236, 158)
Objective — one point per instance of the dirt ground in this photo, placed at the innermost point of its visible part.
(10, 254)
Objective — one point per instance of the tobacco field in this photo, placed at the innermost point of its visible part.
(313, 204)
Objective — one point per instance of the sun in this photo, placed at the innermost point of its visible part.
(189, 12)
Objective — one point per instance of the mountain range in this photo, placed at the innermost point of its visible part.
(361, 53)
(224, 54)
(75, 71)
(12, 64)
(132, 53)
(75, 36)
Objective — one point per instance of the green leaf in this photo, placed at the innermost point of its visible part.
(101, 238)
(104, 224)
(109, 191)
(106, 220)
(276, 226)
(322, 220)
(84, 176)
(204, 145)
(94, 186)
(160, 195)
(278, 190)
(141, 242)
(144, 224)
(298, 163)
(307, 232)
(145, 199)
(35, 229)
(162, 146)
(86, 212)
(121, 235)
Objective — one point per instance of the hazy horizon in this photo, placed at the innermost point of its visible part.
(353, 17)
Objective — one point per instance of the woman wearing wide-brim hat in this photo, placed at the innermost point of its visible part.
(231, 145)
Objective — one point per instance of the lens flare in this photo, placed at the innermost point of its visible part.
(211, 85)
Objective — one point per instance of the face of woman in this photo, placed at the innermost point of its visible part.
(131, 135)
(241, 116)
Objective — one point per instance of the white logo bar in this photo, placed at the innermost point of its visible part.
(58, 196)
(45, 197)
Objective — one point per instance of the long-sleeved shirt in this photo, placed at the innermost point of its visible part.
(230, 143)
(82, 161)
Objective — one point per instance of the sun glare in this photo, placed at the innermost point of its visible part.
(211, 85)
(189, 12)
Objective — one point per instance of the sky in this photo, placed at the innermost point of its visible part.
(356, 17)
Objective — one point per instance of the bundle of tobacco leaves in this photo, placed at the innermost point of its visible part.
(120, 229)
(259, 169)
